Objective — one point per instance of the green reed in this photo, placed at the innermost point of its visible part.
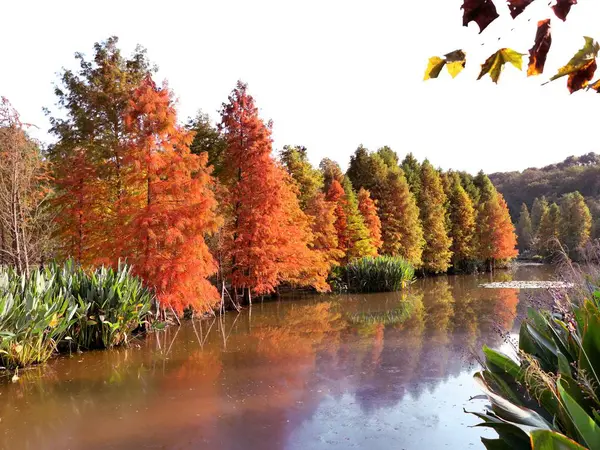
(379, 274)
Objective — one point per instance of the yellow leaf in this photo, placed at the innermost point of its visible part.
(434, 67)
(454, 68)
(495, 63)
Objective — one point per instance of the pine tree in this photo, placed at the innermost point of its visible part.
(412, 172)
(169, 204)
(575, 223)
(402, 233)
(548, 232)
(462, 221)
(267, 235)
(308, 181)
(437, 253)
(524, 230)
(368, 209)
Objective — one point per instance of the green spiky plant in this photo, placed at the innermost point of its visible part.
(549, 397)
(377, 274)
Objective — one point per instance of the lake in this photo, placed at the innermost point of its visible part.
(376, 371)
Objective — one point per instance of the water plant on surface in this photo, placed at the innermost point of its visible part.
(377, 274)
(549, 397)
(95, 309)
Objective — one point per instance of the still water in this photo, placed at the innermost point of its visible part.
(380, 371)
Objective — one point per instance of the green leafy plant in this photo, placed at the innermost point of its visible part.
(379, 274)
(549, 397)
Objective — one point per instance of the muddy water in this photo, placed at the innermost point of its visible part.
(383, 371)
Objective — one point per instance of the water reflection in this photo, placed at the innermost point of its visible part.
(376, 371)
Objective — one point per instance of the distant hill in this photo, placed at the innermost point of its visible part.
(576, 173)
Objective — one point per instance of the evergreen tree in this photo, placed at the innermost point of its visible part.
(437, 253)
(462, 221)
(402, 233)
(468, 183)
(524, 230)
(575, 223)
(548, 232)
(208, 139)
(366, 171)
(389, 157)
(307, 180)
(412, 172)
(540, 206)
(368, 210)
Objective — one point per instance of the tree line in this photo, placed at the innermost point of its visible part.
(205, 212)
(553, 227)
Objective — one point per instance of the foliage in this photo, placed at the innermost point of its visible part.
(575, 222)
(368, 210)
(548, 232)
(169, 204)
(580, 69)
(307, 180)
(267, 235)
(524, 230)
(549, 396)
(379, 274)
(98, 309)
(454, 62)
(207, 139)
(432, 200)
(461, 222)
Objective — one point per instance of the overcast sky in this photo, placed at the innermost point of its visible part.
(331, 74)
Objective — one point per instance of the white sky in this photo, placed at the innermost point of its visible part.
(331, 74)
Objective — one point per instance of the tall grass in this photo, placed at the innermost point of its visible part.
(379, 274)
(61, 303)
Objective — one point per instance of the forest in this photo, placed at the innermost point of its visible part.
(204, 212)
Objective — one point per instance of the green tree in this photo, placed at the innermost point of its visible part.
(575, 223)
(462, 221)
(400, 224)
(367, 171)
(437, 253)
(540, 206)
(412, 172)
(389, 157)
(307, 179)
(548, 232)
(207, 138)
(524, 230)
(468, 184)
(360, 237)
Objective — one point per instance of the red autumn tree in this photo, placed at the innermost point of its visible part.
(267, 236)
(337, 196)
(368, 209)
(168, 203)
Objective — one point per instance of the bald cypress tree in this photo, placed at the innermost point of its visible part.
(432, 200)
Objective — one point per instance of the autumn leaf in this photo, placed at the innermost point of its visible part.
(581, 68)
(595, 86)
(539, 51)
(495, 63)
(562, 8)
(482, 12)
(454, 61)
(518, 6)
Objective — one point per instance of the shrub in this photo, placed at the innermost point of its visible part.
(96, 309)
(379, 274)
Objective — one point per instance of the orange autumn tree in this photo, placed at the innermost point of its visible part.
(169, 204)
(368, 209)
(266, 234)
(336, 196)
(325, 237)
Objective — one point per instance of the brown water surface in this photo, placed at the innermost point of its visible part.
(378, 371)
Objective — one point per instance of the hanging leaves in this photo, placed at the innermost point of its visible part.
(539, 51)
(495, 63)
(482, 12)
(454, 61)
(518, 6)
(562, 8)
(581, 68)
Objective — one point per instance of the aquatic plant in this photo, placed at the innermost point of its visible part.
(65, 303)
(549, 397)
(379, 274)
